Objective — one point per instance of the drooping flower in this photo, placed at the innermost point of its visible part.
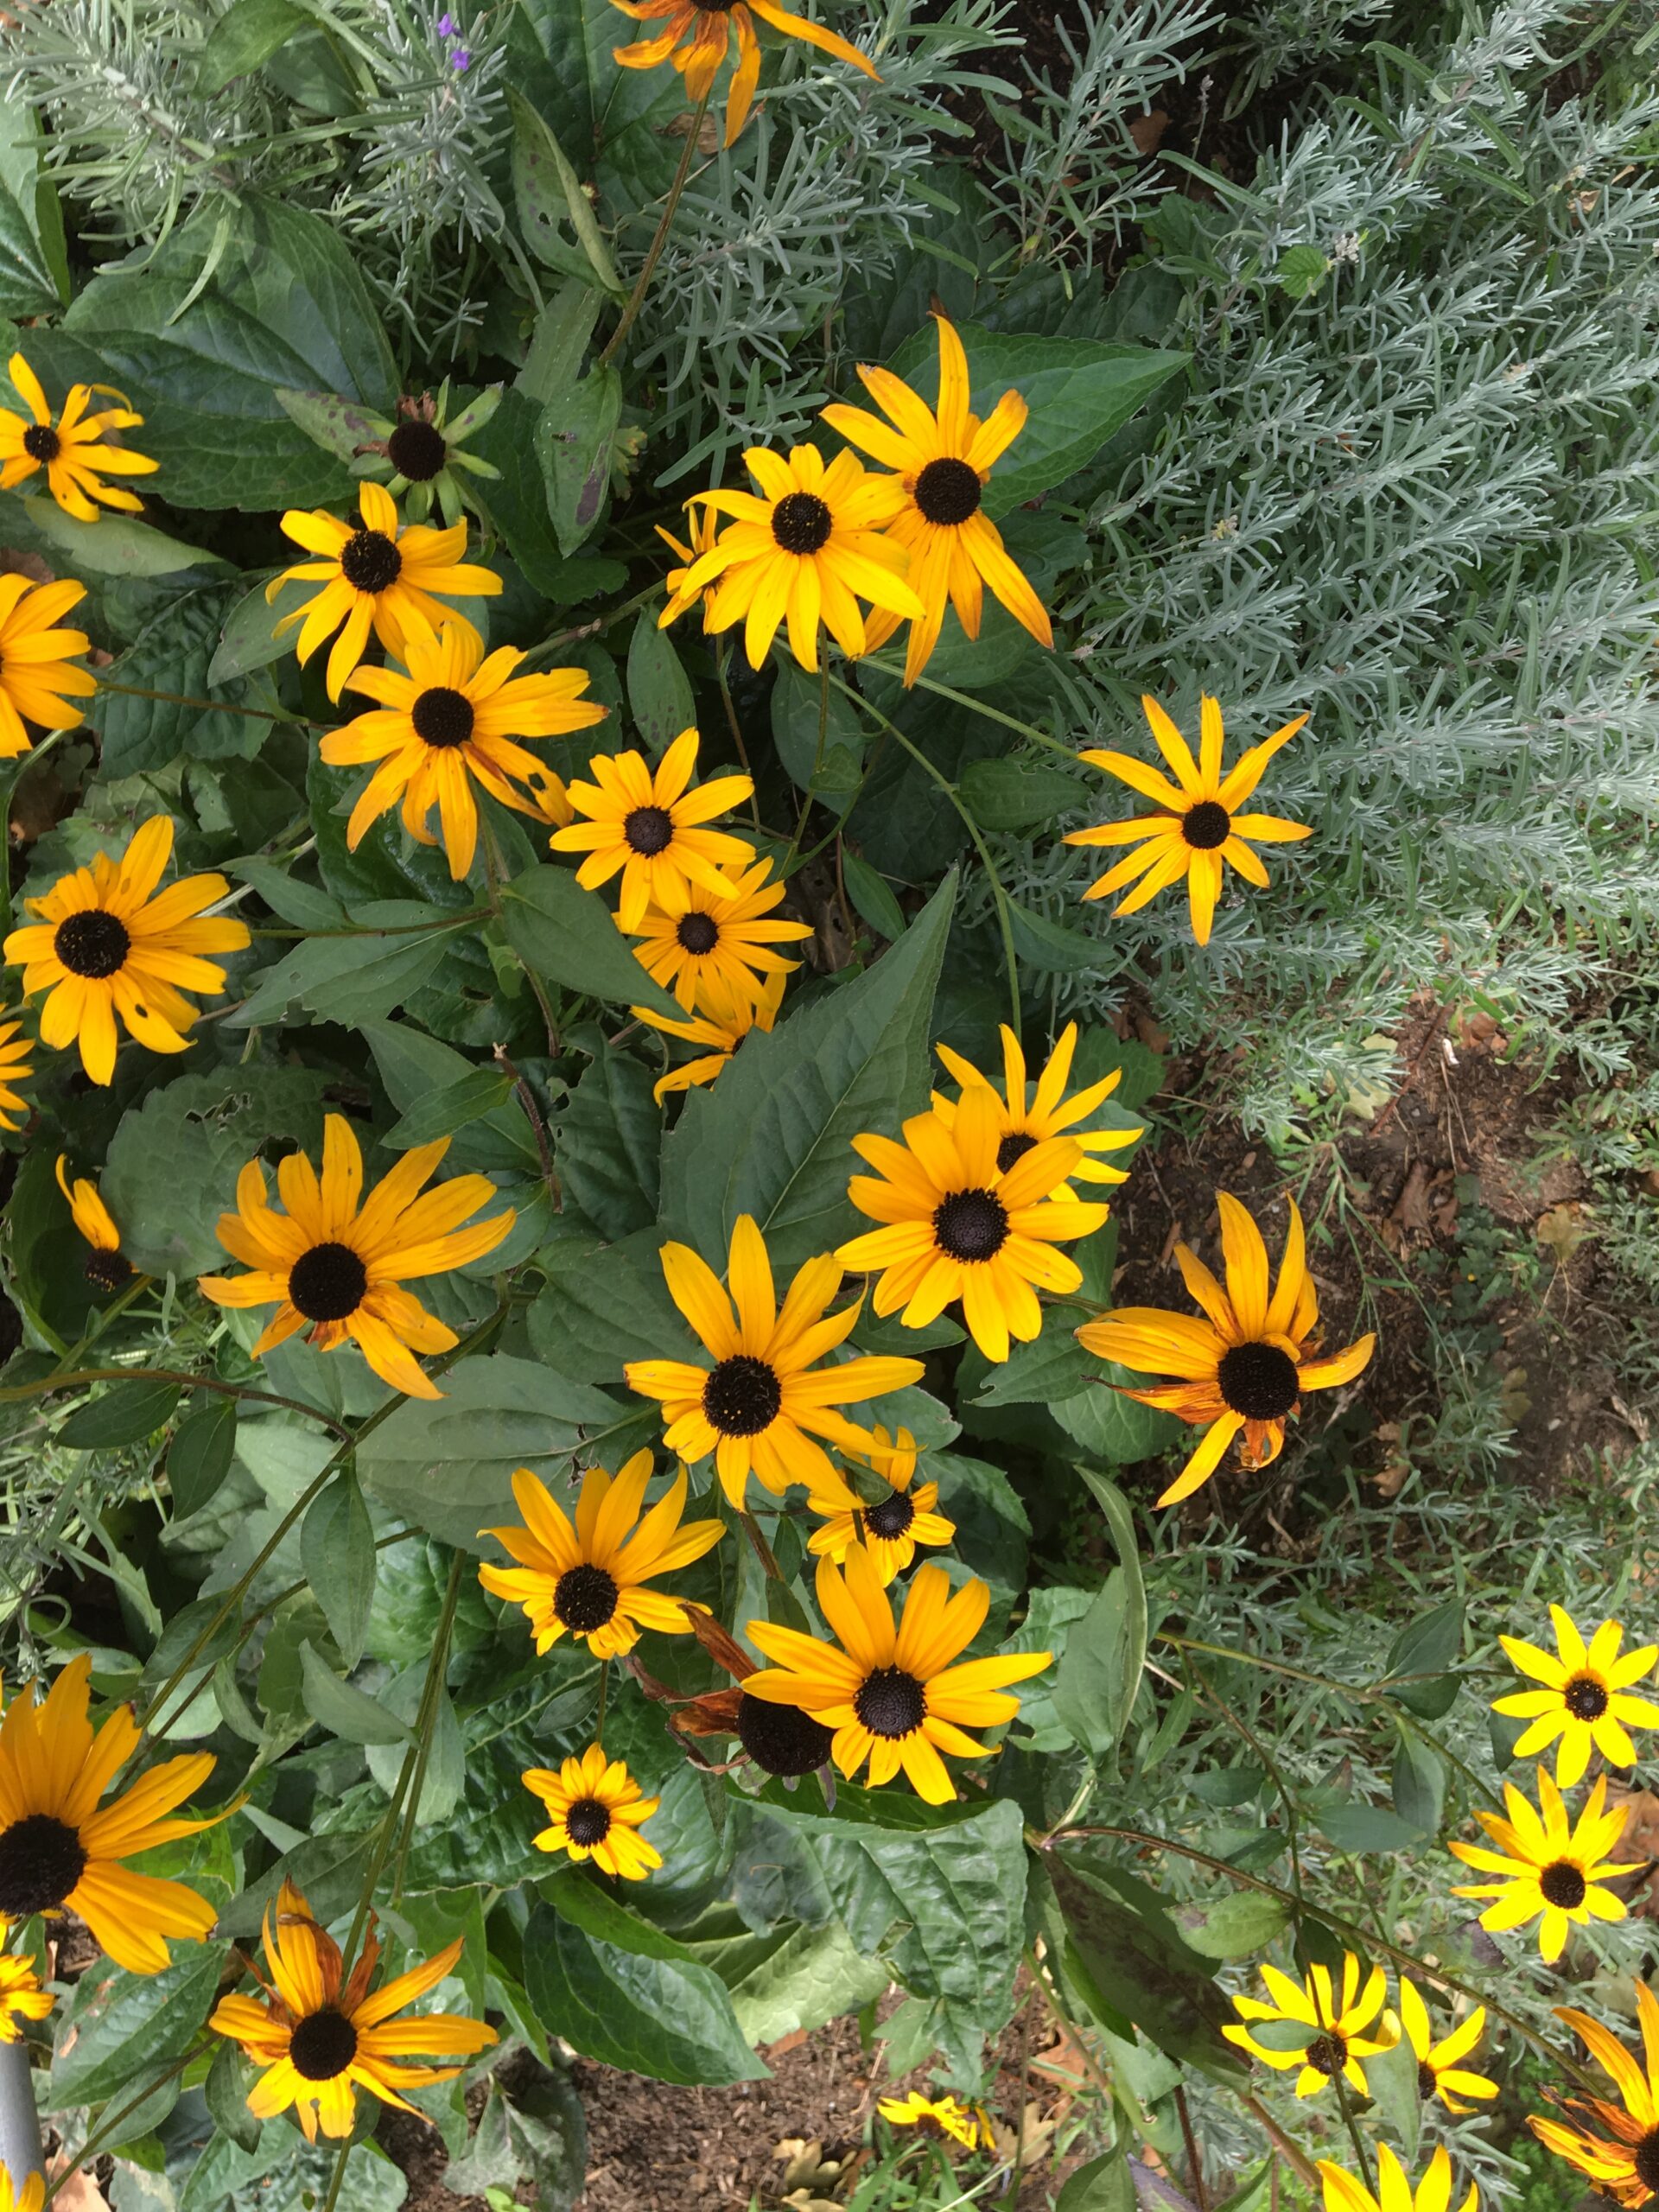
(21, 1996)
(765, 1400)
(73, 450)
(958, 1226)
(890, 1693)
(420, 457)
(944, 455)
(1244, 1365)
(712, 25)
(107, 943)
(336, 1268)
(60, 1850)
(30, 2197)
(16, 1061)
(1586, 1699)
(1394, 2192)
(725, 1019)
(321, 2035)
(891, 1528)
(595, 1810)
(1441, 2072)
(107, 1267)
(651, 828)
(1550, 1868)
(1344, 2019)
(702, 524)
(1618, 2146)
(781, 1739)
(938, 2117)
(38, 676)
(696, 936)
(1046, 1111)
(590, 1578)
(1199, 829)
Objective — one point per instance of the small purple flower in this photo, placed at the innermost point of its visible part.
(446, 26)
(460, 59)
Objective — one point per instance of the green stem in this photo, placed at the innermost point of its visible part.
(604, 1686)
(722, 654)
(108, 2127)
(338, 2177)
(978, 707)
(17, 1391)
(202, 706)
(788, 861)
(426, 1724)
(653, 253)
(1365, 2174)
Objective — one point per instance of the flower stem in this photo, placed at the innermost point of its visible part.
(653, 253)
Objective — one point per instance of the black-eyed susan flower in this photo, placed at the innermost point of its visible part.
(943, 455)
(651, 829)
(938, 2117)
(765, 1399)
(74, 450)
(16, 1061)
(712, 25)
(595, 1810)
(890, 1693)
(1618, 2146)
(702, 526)
(106, 943)
(781, 1739)
(1440, 2071)
(1343, 2018)
(421, 457)
(373, 577)
(38, 676)
(1394, 2189)
(1199, 830)
(107, 1268)
(802, 552)
(1551, 1869)
(588, 1579)
(1028, 1114)
(725, 1019)
(61, 1851)
(697, 935)
(1586, 1699)
(890, 1528)
(21, 1997)
(321, 2035)
(29, 2195)
(1244, 1365)
(452, 720)
(336, 1268)
(957, 1226)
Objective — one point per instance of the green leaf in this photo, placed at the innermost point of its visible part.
(412, 1065)
(1104, 2184)
(248, 32)
(549, 193)
(120, 2026)
(33, 276)
(1419, 1781)
(568, 937)
(230, 2077)
(337, 1552)
(121, 545)
(1301, 270)
(445, 1777)
(340, 427)
(468, 1098)
(516, 502)
(1105, 1425)
(296, 901)
(1051, 947)
(1053, 1367)
(573, 445)
(563, 326)
(1012, 795)
(1099, 1674)
(352, 979)
(1233, 1926)
(1354, 1826)
(247, 638)
(343, 1711)
(1392, 2079)
(871, 896)
(173, 655)
(1134, 1955)
(200, 1456)
(794, 1976)
(126, 1413)
(1429, 1644)
(608, 1141)
(659, 691)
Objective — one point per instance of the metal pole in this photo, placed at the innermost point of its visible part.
(20, 2126)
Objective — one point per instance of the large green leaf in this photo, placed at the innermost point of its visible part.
(358, 976)
(413, 1066)
(1099, 1674)
(608, 1140)
(604, 1306)
(172, 656)
(34, 273)
(568, 937)
(123, 2025)
(1135, 1956)
(605, 117)
(793, 1976)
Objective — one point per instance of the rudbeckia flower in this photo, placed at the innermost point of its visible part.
(725, 1020)
(891, 1528)
(590, 1578)
(21, 1997)
(712, 25)
(703, 525)
(1027, 1117)
(61, 1851)
(1433, 2193)
(944, 456)
(107, 943)
(696, 936)
(72, 450)
(106, 1266)
(764, 1399)
(336, 1268)
(15, 1062)
(891, 1693)
(1439, 2071)
(1550, 1867)
(651, 827)
(455, 719)
(1342, 2018)
(938, 2117)
(1247, 1364)
(419, 457)
(1199, 829)
(373, 577)
(595, 1810)
(31, 2197)
(321, 2036)
(1619, 2148)
(959, 1226)
(1586, 1700)
(38, 676)
(804, 550)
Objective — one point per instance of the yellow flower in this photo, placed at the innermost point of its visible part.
(1247, 1364)
(943, 457)
(726, 1018)
(799, 551)
(15, 1062)
(453, 719)
(891, 1528)
(106, 943)
(106, 1266)
(1438, 2071)
(1434, 2194)
(1551, 1866)
(30, 2198)
(1198, 829)
(1622, 2159)
(1046, 1112)
(1342, 2020)
(590, 1579)
(959, 1226)
(60, 1851)
(37, 674)
(339, 1266)
(71, 450)
(696, 936)
(375, 576)
(651, 827)
(21, 1997)
(891, 1694)
(1585, 1699)
(321, 2036)
(595, 1810)
(938, 2117)
(703, 525)
(712, 24)
(764, 1399)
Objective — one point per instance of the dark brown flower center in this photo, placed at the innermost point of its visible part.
(322, 2045)
(1206, 825)
(696, 933)
(584, 1598)
(743, 1396)
(92, 943)
(781, 1738)
(1585, 1698)
(417, 451)
(970, 1225)
(1563, 1884)
(1645, 2159)
(441, 717)
(648, 830)
(1258, 1381)
(369, 561)
(587, 1822)
(1426, 2084)
(327, 1282)
(892, 1517)
(40, 1861)
(108, 1270)
(1328, 2053)
(1014, 1146)
(948, 491)
(891, 1702)
(801, 523)
(42, 442)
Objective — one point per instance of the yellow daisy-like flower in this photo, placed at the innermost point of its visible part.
(31, 2197)
(891, 1693)
(1586, 1700)
(712, 25)
(21, 1997)
(106, 943)
(725, 1019)
(1551, 1866)
(1342, 2018)
(321, 2035)
(1045, 1111)
(1622, 2160)
(106, 1266)
(1433, 2193)
(938, 2117)
(1439, 2072)
(336, 1268)
(1247, 1364)
(374, 577)
(595, 1810)
(696, 936)
(891, 1528)
(765, 1400)
(944, 456)
(652, 828)
(703, 526)
(72, 450)
(590, 1578)
(16, 1061)
(1200, 829)
(804, 552)
(38, 676)
(61, 1851)
(957, 1225)
(455, 718)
